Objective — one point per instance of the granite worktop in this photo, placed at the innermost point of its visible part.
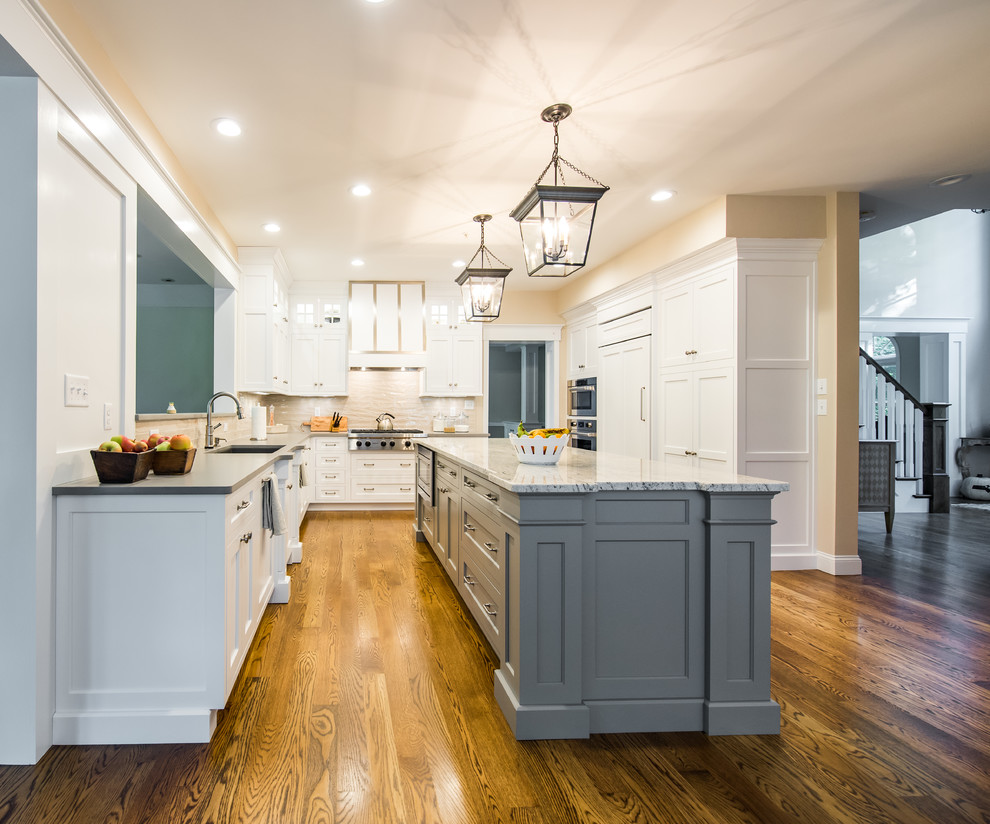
(213, 473)
(583, 471)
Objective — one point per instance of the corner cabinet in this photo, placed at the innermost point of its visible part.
(263, 321)
(318, 343)
(454, 351)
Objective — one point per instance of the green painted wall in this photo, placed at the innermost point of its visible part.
(174, 358)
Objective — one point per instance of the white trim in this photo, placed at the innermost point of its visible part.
(840, 564)
(522, 332)
(788, 562)
(903, 325)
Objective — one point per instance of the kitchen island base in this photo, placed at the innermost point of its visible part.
(633, 605)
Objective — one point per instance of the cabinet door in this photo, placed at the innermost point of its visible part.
(466, 363)
(262, 577)
(438, 379)
(676, 426)
(624, 392)
(577, 347)
(333, 364)
(590, 351)
(713, 316)
(715, 418)
(256, 363)
(305, 363)
(676, 322)
(448, 507)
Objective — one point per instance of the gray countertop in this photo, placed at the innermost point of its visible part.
(583, 471)
(212, 473)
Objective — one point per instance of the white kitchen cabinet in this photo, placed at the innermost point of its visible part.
(382, 477)
(624, 398)
(263, 321)
(698, 319)
(697, 421)
(453, 362)
(330, 465)
(582, 348)
(319, 344)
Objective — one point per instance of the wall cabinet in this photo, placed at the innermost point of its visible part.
(582, 348)
(697, 421)
(319, 344)
(698, 319)
(263, 321)
(453, 349)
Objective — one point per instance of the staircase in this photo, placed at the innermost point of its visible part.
(887, 411)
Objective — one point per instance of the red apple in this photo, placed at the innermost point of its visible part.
(153, 440)
(180, 442)
(140, 446)
(126, 444)
(110, 446)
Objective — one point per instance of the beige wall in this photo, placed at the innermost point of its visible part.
(838, 336)
(96, 59)
(529, 307)
(778, 217)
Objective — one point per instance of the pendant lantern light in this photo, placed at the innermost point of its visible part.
(555, 221)
(481, 285)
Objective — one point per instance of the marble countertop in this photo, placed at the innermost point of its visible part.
(583, 471)
(212, 473)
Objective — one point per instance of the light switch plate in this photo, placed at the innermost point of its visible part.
(469, 404)
(76, 389)
(107, 422)
(822, 386)
(822, 406)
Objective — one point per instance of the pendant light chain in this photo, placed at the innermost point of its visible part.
(485, 252)
(556, 160)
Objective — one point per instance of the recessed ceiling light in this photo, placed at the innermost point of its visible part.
(357, 262)
(663, 194)
(374, 1)
(168, 280)
(227, 127)
(459, 264)
(950, 180)
(272, 227)
(360, 190)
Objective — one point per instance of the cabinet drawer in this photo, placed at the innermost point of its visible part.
(330, 461)
(482, 535)
(328, 444)
(480, 489)
(447, 473)
(332, 492)
(428, 520)
(627, 327)
(399, 466)
(242, 504)
(329, 477)
(483, 602)
(382, 491)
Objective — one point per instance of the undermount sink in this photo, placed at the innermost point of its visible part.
(247, 449)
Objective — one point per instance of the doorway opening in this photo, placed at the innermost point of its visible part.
(517, 386)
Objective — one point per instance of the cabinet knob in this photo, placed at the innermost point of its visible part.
(288, 486)
(246, 537)
(580, 366)
(688, 452)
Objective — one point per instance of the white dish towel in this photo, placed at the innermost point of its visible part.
(272, 516)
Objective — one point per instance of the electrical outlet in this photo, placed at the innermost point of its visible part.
(822, 406)
(76, 389)
(822, 386)
(469, 404)
(107, 421)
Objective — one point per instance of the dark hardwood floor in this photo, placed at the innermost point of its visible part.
(369, 698)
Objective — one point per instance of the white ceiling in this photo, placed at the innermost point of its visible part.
(435, 104)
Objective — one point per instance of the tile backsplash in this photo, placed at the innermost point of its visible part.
(370, 394)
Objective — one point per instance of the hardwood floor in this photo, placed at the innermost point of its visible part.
(369, 698)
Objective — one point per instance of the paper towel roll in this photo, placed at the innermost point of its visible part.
(258, 431)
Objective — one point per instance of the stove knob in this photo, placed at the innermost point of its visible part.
(383, 444)
(367, 443)
(357, 444)
(391, 444)
(407, 444)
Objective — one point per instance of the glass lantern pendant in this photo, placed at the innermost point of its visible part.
(555, 221)
(481, 286)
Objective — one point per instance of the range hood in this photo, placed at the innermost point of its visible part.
(387, 325)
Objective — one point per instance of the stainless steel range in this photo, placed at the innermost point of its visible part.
(395, 440)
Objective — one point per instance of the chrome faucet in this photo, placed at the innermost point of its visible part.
(211, 442)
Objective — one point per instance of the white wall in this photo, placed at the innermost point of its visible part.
(938, 268)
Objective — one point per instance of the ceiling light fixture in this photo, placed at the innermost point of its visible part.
(227, 127)
(360, 190)
(950, 180)
(555, 221)
(459, 264)
(481, 287)
(663, 194)
(272, 227)
(357, 262)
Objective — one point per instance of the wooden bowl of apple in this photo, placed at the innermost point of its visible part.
(123, 461)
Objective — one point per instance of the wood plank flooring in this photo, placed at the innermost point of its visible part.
(369, 698)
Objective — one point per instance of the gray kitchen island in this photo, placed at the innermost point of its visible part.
(620, 595)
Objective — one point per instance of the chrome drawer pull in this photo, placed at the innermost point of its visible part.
(427, 519)
(442, 490)
(368, 489)
(490, 546)
(246, 537)
(491, 496)
(489, 610)
(243, 505)
(405, 464)
(405, 489)
(468, 580)
(451, 473)
(469, 483)
(369, 464)
(468, 528)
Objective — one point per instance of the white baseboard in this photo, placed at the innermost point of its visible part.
(840, 564)
(785, 561)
